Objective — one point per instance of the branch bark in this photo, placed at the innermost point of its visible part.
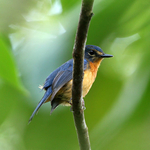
(78, 56)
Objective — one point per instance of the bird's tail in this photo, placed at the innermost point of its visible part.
(43, 100)
(54, 104)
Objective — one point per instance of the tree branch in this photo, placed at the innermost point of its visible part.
(78, 56)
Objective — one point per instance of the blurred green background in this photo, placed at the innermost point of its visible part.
(38, 36)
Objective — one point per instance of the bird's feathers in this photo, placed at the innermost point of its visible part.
(64, 67)
(54, 82)
(60, 80)
(68, 66)
(43, 100)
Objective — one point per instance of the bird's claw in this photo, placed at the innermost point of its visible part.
(83, 104)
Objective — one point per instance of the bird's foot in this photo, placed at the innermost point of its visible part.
(83, 104)
(71, 109)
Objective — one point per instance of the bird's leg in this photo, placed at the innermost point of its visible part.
(83, 104)
(70, 102)
(71, 109)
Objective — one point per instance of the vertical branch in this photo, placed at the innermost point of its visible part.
(78, 56)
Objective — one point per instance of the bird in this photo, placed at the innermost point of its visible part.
(58, 85)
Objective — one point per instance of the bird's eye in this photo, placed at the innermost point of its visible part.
(91, 53)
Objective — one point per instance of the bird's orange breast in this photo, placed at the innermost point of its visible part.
(89, 76)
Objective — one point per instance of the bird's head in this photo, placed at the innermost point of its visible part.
(95, 53)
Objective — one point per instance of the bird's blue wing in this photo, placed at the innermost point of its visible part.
(66, 66)
(55, 81)
(63, 77)
(50, 78)
(57, 78)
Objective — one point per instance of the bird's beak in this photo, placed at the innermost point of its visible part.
(106, 56)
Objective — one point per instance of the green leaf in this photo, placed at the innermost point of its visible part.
(8, 71)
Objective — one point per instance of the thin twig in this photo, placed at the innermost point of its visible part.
(78, 56)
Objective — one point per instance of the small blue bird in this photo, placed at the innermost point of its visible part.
(58, 85)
